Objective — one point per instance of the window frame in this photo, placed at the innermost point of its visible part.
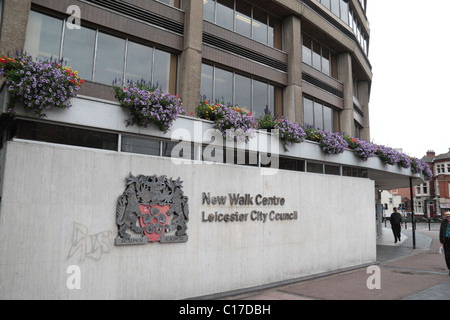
(271, 96)
(173, 60)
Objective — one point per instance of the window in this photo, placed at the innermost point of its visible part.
(342, 10)
(245, 19)
(338, 8)
(320, 116)
(44, 132)
(307, 52)
(358, 129)
(185, 150)
(110, 59)
(326, 3)
(145, 146)
(47, 37)
(223, 84)
(259, 25)
(164, 74)
(78, 50)
(173, 3)
(314, 167)
(243, 91)
(262, 103)
(335, 7)
(291, 164)
(228, 87)
(319, 56)
(332, 170)
(422, 189)
(224, 13)
(418, 207)
(207, 83)
(208, 10)
(139, 62)
(355, 172)
(43, 36)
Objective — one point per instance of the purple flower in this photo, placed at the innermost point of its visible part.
(332, 142)
(361, 148)
(388, 155)
(289, 132)
(421, 167)
(33, 83)
(149, 105)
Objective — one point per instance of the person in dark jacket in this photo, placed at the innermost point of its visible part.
(444, 238)
(396, 222)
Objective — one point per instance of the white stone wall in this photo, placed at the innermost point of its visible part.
(59, 206)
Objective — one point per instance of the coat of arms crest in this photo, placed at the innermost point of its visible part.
(152, 209)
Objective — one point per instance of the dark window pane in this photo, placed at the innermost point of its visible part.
(333, 170)
(66, 135)
(315, 167)
(213, 153)
(140, 145)
(292, 164)
(178, 150)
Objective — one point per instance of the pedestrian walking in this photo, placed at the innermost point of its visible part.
(444, 238)
(396, 223)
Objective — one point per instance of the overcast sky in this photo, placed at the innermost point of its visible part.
(410, 57)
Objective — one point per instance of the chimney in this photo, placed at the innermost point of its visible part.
(431, 154)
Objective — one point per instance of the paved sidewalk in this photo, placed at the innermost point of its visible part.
(405, 274)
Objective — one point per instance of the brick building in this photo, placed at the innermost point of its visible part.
(431, 198)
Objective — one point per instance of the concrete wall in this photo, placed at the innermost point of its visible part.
(58, 210)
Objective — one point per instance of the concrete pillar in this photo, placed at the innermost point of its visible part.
(191, 57)
(346, 77)
(14, 26)
(293, 93)
(364, 94)
(379, 214)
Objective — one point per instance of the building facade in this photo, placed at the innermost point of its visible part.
(442, 182)
(306, 60)
(431, 198)
(110, 213)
